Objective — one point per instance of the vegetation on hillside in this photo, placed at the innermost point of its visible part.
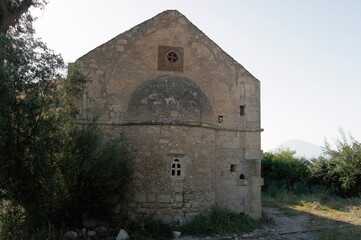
(338, 170)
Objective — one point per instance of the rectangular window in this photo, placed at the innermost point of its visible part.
(241, 110)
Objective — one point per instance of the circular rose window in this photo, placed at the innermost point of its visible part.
(172, 56)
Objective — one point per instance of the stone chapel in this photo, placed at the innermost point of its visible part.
(189, 113)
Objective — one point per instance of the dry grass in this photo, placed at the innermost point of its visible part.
(337, 218)
(345, 212)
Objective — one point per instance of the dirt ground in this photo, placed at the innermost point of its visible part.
(288, 226)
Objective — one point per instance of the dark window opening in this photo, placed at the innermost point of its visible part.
(241, 108)
(241, 177)
(233, 168)
(176, 168)
(220, 119)
(172, 56)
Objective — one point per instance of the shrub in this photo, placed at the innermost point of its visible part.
(282, 170)
(340, 168)
(12, 220)
(95, 175)
(149, 228)
(220, 221)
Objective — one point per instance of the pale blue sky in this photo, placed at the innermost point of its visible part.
(305, 53)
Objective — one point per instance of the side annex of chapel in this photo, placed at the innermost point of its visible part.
(189, 113)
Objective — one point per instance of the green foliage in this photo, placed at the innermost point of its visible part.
(219, 221)
(148, 228)
(283, 170)
(339, 234)
(49, 167)
(29, 123)
(11, 220)
(94, 177)
(340, 168)
(72, 88)
(15, 15)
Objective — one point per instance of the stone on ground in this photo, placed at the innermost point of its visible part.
(122, 235)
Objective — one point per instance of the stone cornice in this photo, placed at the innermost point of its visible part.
(170, 122)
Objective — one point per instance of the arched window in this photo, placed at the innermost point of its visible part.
(176, 168)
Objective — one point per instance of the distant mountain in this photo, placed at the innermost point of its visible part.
(302, 148)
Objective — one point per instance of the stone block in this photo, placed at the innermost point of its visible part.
(178, 198)
(177, 205)
(194, 204)
(188, 196)
(178, 187)
(253, 154)
(119, 48)
(163, 141)
(164, 198)
(234, 144)
(140, 197)
(211, 196)
(151, 198)
(122, 41)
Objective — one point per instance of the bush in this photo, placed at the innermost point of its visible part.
(95, 175)
(12, 220)
(338, 171)
(219, 221)
(91, 176)
(281, 170)
(340, 168)
(149, 228)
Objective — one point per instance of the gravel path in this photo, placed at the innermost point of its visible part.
(286, 227)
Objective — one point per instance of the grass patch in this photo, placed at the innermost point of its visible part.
(318, 204)
(340, 217)
(148, 228)
(339, 234)
(220, 221)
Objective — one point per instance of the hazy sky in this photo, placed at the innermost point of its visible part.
(307, 54)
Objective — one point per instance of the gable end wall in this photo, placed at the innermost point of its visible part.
(163, 131)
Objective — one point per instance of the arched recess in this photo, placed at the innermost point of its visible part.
(170, 98)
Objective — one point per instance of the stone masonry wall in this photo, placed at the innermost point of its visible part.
(205, 113)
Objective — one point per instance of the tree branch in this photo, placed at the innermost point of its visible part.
(23, 7)
(9, 18)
